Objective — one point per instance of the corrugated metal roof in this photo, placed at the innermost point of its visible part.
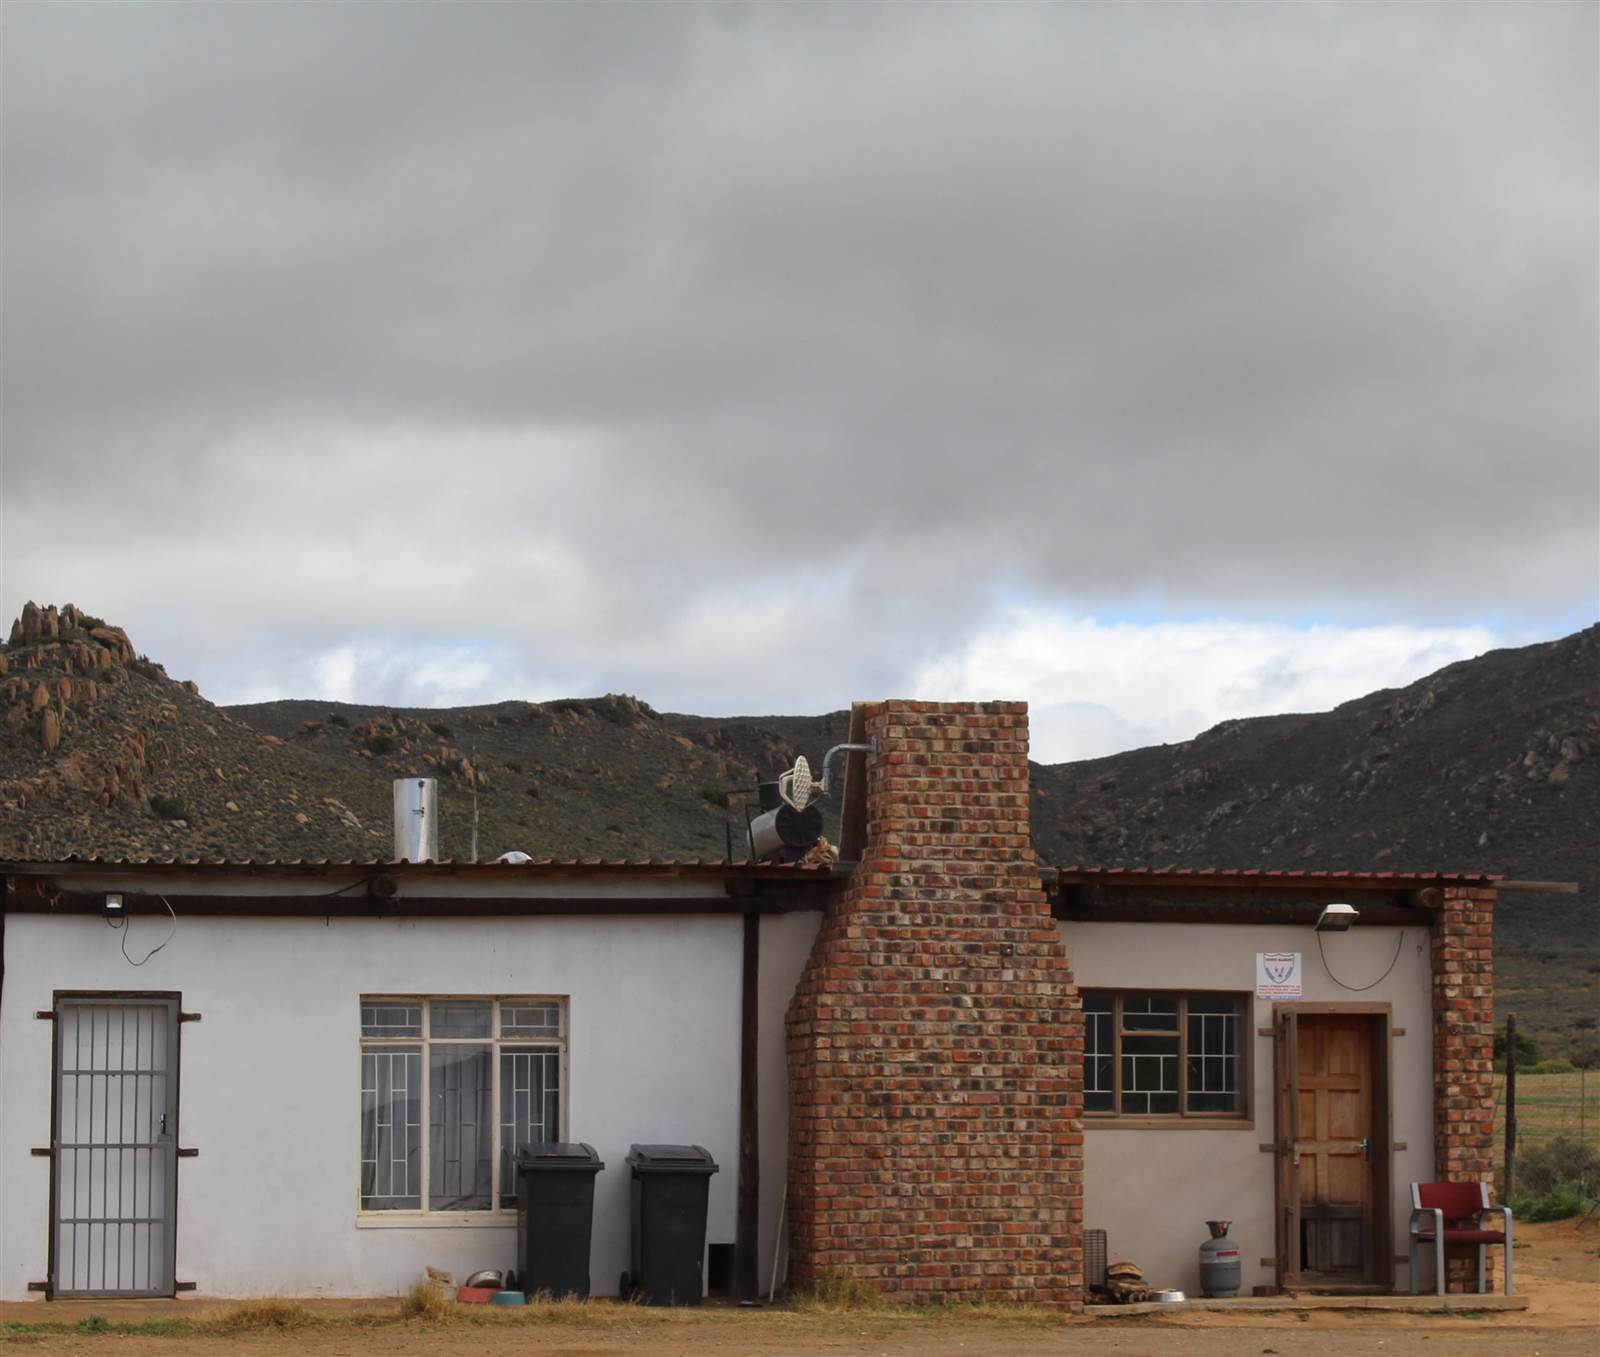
(1269, 874)
(644, 865)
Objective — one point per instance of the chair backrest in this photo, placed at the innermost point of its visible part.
(1458, 1201)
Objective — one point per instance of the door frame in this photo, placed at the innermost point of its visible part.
(175, 999)
(1286, 1106)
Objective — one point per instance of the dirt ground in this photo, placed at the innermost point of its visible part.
(1559, 1271)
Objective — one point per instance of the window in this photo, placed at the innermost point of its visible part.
(1157, 1056)
(451, 1089)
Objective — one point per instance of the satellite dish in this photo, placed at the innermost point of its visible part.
(795, 785)
(514, 857)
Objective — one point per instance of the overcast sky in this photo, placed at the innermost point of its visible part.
(1158, 364)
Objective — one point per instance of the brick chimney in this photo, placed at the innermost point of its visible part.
(935, 1040)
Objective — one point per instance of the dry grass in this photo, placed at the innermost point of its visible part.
(432, 1303)
(841, 1297)
(255, 1315)
(839, 1293)
(1551, 1105)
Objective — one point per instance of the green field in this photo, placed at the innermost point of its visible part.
(1550, 1105)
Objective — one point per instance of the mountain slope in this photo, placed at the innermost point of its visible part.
(1490, 764)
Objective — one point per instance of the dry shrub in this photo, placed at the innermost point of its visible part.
(270, 1313)
(428, 1300)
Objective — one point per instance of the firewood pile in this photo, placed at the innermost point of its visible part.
(1125, 1284)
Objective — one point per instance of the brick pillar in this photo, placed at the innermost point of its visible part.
(935, 1040)
(1463, 1046)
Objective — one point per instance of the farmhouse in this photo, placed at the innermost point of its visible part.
(933, 1065)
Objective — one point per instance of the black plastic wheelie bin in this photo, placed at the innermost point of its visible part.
(555, 1217)
(668, 1212)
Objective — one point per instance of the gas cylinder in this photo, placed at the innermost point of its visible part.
(1219, 1262)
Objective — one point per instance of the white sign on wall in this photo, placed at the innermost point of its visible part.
(1277, 975)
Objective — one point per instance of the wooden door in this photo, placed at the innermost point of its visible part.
(1333, 1146)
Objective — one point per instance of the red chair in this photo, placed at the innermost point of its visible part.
(1453, 1213)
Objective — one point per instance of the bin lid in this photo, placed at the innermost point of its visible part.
(557, 1154)
(671, 1159)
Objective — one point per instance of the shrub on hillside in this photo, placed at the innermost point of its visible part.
(440, 729)
(339, 719)
(1561, 1202)
(1585, 1055)
(1527, 1049)
(169, 808)
(380, 744)
(1545, 1165)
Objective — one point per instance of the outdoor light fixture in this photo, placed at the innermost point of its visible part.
(1336, 918)
(115, 908)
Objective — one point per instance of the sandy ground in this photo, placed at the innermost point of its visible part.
(1559, 1271)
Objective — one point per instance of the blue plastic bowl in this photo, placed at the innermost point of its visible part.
(508, 1298)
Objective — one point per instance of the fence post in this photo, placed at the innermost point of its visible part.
(1511, 1107)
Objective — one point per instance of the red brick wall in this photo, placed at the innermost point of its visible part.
(935, 1040)
(1463, 1044)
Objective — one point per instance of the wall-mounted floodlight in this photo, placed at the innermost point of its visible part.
(1336, 918)
(116, 907)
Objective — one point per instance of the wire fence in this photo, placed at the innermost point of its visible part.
(1550, 1105)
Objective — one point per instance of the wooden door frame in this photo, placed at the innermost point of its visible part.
(175, 999)
(1286, 1110)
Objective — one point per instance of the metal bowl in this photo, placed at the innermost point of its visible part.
(490, 1278)
(1169, 1297)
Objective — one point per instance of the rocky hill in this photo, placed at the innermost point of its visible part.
(1490, 764)
(103, 754)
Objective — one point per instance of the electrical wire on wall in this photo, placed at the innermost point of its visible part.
(1357, 989)
(122, 928)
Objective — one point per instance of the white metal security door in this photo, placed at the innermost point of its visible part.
(116, 1127)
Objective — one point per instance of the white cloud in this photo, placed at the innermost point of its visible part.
(1097, 687)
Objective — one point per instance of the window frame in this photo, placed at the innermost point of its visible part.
(495, 1214)
(1181, 1120)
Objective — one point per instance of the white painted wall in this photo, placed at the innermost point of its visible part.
(1153, 1190)
(785, 944)
(270, 1076)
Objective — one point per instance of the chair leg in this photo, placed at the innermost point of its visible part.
(1438, 1263)
(1416, 1272)
(1483, 1264)
(1508, 1255)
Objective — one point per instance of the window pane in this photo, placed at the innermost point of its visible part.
(460, 1134)
(1146, 1013)
(1213, 1056)
(391, 1130)
(459, 1018)
(1099, 1052)
(530, 1108)
(530, 1020)
(1149, 1075)
(380, 1019)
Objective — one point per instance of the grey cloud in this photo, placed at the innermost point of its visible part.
(619, 315)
